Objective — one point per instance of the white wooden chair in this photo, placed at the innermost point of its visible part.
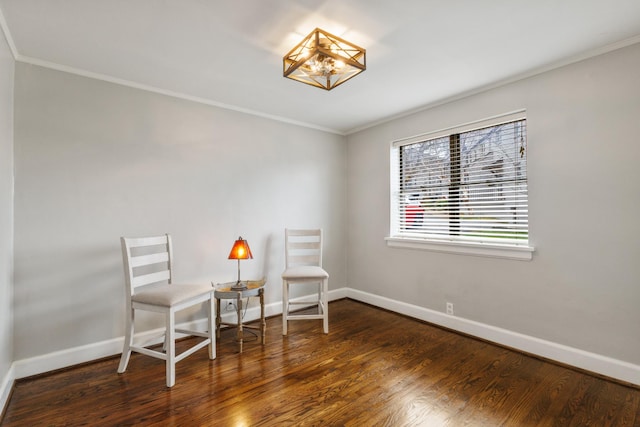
(149, 286)
(303, 258)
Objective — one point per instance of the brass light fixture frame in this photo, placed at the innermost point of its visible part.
(324, 60)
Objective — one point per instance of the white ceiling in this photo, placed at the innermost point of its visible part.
(229, 52)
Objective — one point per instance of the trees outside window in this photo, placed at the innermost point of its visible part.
(463, 186)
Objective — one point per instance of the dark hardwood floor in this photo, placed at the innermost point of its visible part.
(375, 368)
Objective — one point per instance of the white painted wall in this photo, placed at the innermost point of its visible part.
(7, 64)
(582, 287)
(95, 161)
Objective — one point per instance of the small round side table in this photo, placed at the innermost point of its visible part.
(224, 291)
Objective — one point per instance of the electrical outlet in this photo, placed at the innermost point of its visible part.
(450, 308)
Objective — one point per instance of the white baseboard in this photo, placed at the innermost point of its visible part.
(86, 353)
(5, 388)
(592, 362)
(596, 363)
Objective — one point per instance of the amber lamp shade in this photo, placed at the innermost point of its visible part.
(240, 250)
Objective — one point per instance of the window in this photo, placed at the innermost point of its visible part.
(465, 187)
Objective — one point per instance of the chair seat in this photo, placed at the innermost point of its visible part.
(168, 295)
(305, 272)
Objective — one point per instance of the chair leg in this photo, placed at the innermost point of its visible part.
(212, 327)
(171, 349)
(128, 342)
(165, 344)
(325, 306)
(285, 305)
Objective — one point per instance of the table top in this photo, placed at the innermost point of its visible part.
(253, 288)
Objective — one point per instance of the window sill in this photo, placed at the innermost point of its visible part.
(522, 253)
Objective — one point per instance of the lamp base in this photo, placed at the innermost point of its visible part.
(239, 286)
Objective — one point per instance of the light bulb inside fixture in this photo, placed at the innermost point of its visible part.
(313, 65)
(338, 64)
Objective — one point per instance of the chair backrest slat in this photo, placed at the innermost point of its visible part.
(303, 247)
(147, 279)
(142, 260)
(146, 260)
(136, 242)
(303, 232)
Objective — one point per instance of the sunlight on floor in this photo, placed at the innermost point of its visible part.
(421, 411)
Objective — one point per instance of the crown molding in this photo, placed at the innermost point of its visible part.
(123, 82)
(173, 94)
(7, 35)
(531, 73)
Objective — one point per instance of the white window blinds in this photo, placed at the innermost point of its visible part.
(466, 186)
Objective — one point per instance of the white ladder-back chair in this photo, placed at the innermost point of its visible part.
(148, 263)
(303, 259)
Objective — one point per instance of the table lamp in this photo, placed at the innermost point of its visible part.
(240, 250)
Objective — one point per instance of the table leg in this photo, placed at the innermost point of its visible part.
(218, 318)
(240, 332)
(263, 322)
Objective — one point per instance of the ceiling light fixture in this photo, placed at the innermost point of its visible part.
(324, 60)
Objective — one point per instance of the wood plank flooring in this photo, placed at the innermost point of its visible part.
(375, 368)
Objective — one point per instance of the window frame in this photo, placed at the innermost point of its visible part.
(397, 239)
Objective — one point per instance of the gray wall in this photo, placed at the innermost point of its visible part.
(582, 287)
(6, 207)
(95, 161)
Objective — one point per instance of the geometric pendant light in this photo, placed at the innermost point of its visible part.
(324, 60)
